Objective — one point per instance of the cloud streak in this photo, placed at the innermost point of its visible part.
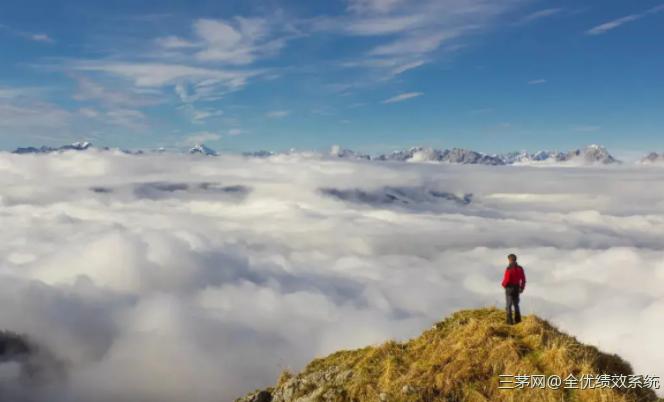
(277, 114)
(411, 34)
(610, 25)
(35, 37)
(540, 14)
(402, 97)
(239, 41)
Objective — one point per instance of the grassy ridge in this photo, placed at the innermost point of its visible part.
(458, 359)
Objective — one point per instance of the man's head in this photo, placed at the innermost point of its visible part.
(511, 258)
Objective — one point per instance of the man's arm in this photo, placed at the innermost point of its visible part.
(523, 280)
(506, 278)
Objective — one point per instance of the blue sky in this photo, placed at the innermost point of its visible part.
(372, 75)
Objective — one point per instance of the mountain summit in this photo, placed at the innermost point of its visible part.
(203, 150)
(462, 359)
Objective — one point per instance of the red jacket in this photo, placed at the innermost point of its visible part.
(515, 276)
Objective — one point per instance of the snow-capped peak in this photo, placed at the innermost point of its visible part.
(337, 151)
(81, 145)
(202, 149)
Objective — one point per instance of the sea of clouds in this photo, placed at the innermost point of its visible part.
(188, 278)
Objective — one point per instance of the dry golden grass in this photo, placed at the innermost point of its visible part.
(460, 359)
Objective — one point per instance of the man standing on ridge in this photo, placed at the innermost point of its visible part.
(514, 283)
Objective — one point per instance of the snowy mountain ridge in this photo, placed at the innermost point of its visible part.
(590, 155)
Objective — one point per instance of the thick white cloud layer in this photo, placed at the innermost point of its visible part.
(176, 277)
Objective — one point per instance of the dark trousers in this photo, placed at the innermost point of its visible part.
(512, 299)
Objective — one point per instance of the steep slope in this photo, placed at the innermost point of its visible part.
(458, 359)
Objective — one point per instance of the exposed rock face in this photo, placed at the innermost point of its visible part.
(459, 359)
(325, 385)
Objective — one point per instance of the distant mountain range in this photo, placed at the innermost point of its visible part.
(590, 155)
(76, 146)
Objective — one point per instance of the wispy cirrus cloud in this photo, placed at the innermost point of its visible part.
(113, 90)
(204, 137)
(607, 26)
(610, 25)
(202, 115)
(214, 56)
(90, 90)
(377, 6)
(277, 114)
(402, 97)
(540, 14)
(190, 83)
(409, 34)
(174, 42)
(160, 74)
(129, 118)
(235, 41)
(201, 137)
(30, 114)
(25, 112)
(42, 38)
(33, 36)
(539, 81)
(214, 61)
(16, 92)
